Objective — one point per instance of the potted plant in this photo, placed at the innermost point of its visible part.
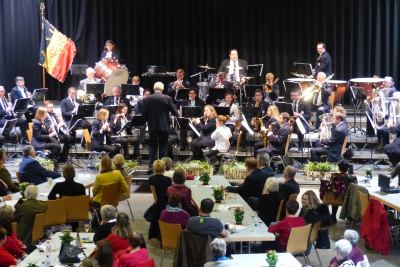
(309, 170)
(23, 187)
(272, 258)
(205, 178)
(218, 193)
(130, 165)
(239, 215)
(205, 167)
(368, 173)
(66, 238)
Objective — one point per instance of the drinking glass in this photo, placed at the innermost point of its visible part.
(49, 182)
(84, 171)
(87, 227)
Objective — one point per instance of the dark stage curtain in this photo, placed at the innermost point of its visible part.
(362, 36)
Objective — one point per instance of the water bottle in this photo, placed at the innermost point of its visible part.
(47, 263)
(256, 224)
(48, 248)
(224, 165)
(43, 264)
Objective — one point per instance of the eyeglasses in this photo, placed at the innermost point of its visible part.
(192, 93)
(306, 199)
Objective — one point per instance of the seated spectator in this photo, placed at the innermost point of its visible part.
(90, 262)
(179, 179)
(119, 162)
(289, 186)
(30, 170)
(109, 218)
(25, 213)
(342, 249)
(204, 224)
(4, 192)
(159, 181)
(107, 176)
(218, 248)
(174, 213)
(104, 253)
(283, 227)
(119, 233)
(263, 161)
(6, 259)
(313, 211)
(69, 187)
(356, 254)
(168, 166)
(5, 175)
(12, 244)
(134, 255)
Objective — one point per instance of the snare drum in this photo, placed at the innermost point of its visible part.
(339, 87)
(367, 83)
(112, 73)
(304, 82)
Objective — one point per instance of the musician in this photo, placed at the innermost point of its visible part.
(392, 150)
(20, 91)
(272, 118)
(221, 136)
(233, 63)
(233, 111)
(257, 102)
(333, 148)
(320, 100)
(118, 99)
(301, 110)
(156, 109)
(324, 62)
(173, 87)
(222, 82)
(134, 99)
(6, 114)
(90, 79)
(110, 51)
(60, 127)
(101, 135)
(273, 96)
(207, 126)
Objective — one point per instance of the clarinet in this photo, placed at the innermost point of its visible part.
(5, 102)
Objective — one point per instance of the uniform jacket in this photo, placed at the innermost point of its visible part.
(335, 143)
(252, 186)
(110, 101)
(98, 138)
(66, 109)
(277, 143)
(325, 66)
(16, 94)
(84, 82)
(225, 63)
(303, 106)
(207, 130)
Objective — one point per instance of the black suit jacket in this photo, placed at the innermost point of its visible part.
(207, 130)
(325, 94)
(252, 186)
(160, 183)
(225, 63)
(155, 110)
(268, 206)
(394, 147)
(115, 127)
(103, 231)
(171, 91)
(16, 94)
(67, 188)
(116, 55)
(264, 108)
(325, 66)
(138, 108)
(303, 106)
(3, 112)
(227, 85)
(267, 172)
(40, 135)
(287, 189)
(66, 109)
(277, 142)
(110, 102)
(97, 137)
(336, 141)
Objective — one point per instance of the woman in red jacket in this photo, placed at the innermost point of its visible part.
(12, 244)
(119, 233)
(6, 259)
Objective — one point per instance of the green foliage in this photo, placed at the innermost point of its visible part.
(66, 237)
(218, 192)
(368, 171)
(205, 178)
(23, 187)
(131, 164)
(272, 256)
(238, 213)
(33, 264)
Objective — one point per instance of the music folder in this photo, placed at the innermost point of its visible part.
(216, 93)
(252, 112)
(285, 107)
(111, 109)
(191, 112)
(250, 90)
(95, 88)
(9, 124)
(78, 69)
(83, 111)
(182, 94)
(39, 93)
(303, 68)
(254, 70)
(222, 110)
(21, 105)
(130, 89)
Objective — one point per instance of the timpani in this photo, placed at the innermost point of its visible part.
(339, 87)
(367, 83)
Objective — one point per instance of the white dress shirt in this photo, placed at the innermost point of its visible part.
(231, 70)
(221, 137)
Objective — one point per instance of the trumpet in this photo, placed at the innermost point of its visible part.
(176, 87)
(268, 87)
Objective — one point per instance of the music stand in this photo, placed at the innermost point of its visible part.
(111, 109)
(249, 90)
(191, 112)
(38, 94)
(5, 131)
(254, 70)
(21, 105)
(83, 111)
(156, 69)
(358, 94)
(216, 93)
(182, 94)
(130, 89)
(252, 112)
(222, 110)
(95, 88)
(290, 86)
(78, 69)
(285, 107)
(303, 68)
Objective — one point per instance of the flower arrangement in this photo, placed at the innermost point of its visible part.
(131, 165)
(66, 238)
(46, 163)
(218, 193)
(205, 178)
(368, 172)
(239, 215)
(23, 187)
(32, 264)
(235, 170)
(272, 257)
(319, 170)
(195, 167)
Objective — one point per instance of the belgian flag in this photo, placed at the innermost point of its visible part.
(57, 52)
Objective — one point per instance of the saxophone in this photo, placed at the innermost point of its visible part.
(256, 124)
(262, 134)
(268, 87)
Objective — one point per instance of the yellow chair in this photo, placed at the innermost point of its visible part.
(18, 178)
(153, 190)
(77, 208)
(293, 197)
(56, 213)
(127, 196)
(14, 226)
(111, 194)
(298, 240)
(314, 236)
(37, 231)
(29, 132)
(88, 140)
(9, 97)
(279, 210)
(170, 233)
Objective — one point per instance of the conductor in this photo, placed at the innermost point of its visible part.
(158, 121)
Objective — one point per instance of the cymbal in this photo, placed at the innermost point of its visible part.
(299, 75)
(247, 78)
(206, 67)
(238, 68)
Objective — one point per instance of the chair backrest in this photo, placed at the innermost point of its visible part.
(332, 99)
(88, 140)
(344, 146)
(29, 132)
(364, 263)
(287, 144)
(9, 97)
(238, 142)
(37, 231)
(77, 208)
(111, 194)
(314, 232)
(153, 190)
(18, 178)
(298, 239)
(238, 121)
(279, 210)
(169, 234)
(293, 197)
(56, 213)
(14, 226)
(364, 202)
(148, 263)
(128, 181)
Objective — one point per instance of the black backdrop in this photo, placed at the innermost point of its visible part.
(362, 36)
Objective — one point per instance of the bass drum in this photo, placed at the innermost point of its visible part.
(112, 74)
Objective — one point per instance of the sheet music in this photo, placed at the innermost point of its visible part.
(246, 125)
(371, 121)
(194, 129)
(300, 126)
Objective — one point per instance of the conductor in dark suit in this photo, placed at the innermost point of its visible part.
(254, 183)
(324, 61)
(334, 144)
(118, 99)
(301, 110)
(155, 110)
(289, 186)
(233, 63)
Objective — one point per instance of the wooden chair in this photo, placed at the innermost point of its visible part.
(153, 191)
(37, 231)
(169, 235)
(14, 226)
(279, 210)
(30, 132)
(314, 237)
(127, 196)
(9, 97)
(77, 208)
(56, 213)
(282, 159)
(298, 240)
(18, 178)
(364, 199)
(293, 197)
(238, 121)
(111, 194)
(230, 154)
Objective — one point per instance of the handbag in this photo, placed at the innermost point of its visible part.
(69, 253)
(349, 152)
(149, 213)
(323, 239)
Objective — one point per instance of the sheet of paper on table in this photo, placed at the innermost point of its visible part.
(11, 203)
(236, 206)
(44, 194)
(237, 227)
(16, 196)
(224, 207)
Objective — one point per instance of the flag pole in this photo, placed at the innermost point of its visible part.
(42, 8)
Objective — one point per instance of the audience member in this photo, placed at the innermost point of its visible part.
(134, 255)
(342, 249)
(168, 166)
(119, 162)
(90, 262)
(108, 214)
(119, 233)
(174, 213)
(159, 181)
(313, 211)
(6, 259)
(12, 244)
(104, 253)
(218, 249)
(356, 255)
(289, 186)
(5, 175)
(69, 187)
(263, 161)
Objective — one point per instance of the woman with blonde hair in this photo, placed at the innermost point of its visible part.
(221, 136)
(119, 162)
(119, 233)
(101, 134)
(159, 180)
(271, 118)
(207, 126)
(312, 210)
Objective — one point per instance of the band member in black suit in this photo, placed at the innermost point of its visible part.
(272, 118)
(60, 127)
(233, 111)
(277, 142)
(320, 100)
(138, 111)
(207, 126)
(392, 150)
(118, 121)
(110, 51)
(90, 79)
(334, 144)
(324, 62)
(6, 114)
(173, 87)
(233, 62)
(273, 96)
(222, 82)
(101, 134)
(118, 99)
(156, 109)
(193, 101)
(257, 102)
(20, 91)
(301, 110)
